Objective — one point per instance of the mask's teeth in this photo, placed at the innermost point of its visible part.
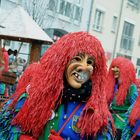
(76, 74)
(83, 75)
(79, 77)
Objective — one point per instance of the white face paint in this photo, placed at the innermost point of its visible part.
(79, 70)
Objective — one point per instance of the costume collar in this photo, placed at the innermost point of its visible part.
(71, 94)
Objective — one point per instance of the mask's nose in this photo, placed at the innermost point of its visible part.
(85, 68)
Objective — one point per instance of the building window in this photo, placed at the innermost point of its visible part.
(123, 55)
(138, 62)
(78, 1)
(78, 13)
(98, 21)
(127, 34)
(62, 7)
(7, 42)
(51, 5)
(138, 72)
(68, 9)
(114, 24)
(134, 3)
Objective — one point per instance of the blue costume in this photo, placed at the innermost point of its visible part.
(12, 132)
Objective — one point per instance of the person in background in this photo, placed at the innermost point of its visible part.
(12, 68)
(64, 97)
(18, 66)
(121, 91)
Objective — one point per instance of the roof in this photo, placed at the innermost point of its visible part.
(16, 24)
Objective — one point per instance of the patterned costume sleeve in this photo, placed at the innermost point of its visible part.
(8, 131)
(133, 94)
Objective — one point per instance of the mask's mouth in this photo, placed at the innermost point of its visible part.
(81, 76)
(116, 72)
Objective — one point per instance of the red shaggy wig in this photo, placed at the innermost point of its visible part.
(47, 85)
(126, 78)
(27, 76)
(135, 113)
(24, 81)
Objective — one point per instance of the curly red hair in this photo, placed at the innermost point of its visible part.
(126, 78)
(47, 85)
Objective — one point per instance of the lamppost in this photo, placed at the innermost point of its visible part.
(118, 28)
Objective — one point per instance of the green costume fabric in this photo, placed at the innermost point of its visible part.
(127, 130)
(52, 124)
(118, 112)
(2, 88)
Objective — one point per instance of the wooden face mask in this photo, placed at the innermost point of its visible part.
(79, 70)
(116, 72)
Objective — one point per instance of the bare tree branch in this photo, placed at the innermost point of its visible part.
(38, 9)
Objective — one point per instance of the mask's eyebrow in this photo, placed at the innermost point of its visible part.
(82, 55)
(91, 58)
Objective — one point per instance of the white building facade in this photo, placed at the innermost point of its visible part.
(56, 17)
(116, 24)
(62, 16)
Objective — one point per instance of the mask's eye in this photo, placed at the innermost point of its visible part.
(90, 62)
(77, 58)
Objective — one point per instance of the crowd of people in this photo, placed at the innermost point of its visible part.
(70, 95)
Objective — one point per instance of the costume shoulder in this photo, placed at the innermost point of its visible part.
(7, 130)
(133, 94)
(132, 88)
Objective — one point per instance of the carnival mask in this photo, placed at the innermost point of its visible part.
(116, 72)
(79, 70)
